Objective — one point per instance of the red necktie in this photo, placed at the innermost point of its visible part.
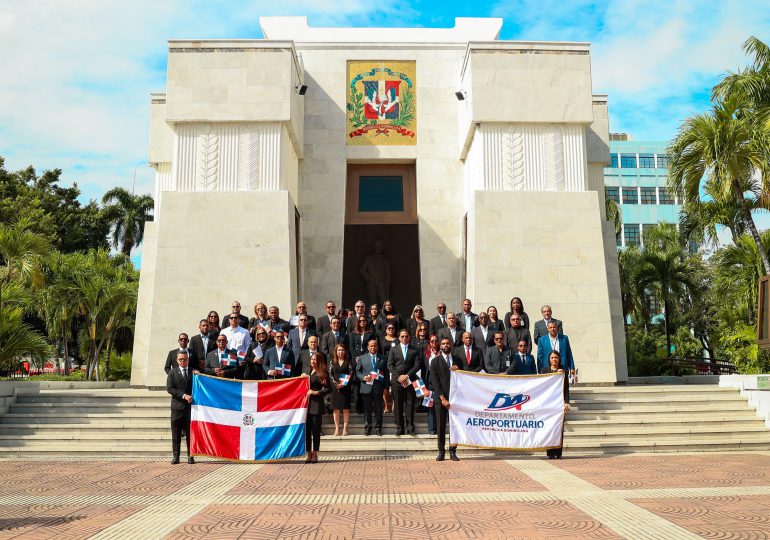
(468, 355)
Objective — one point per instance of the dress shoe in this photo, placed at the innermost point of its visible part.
(401, 431)
(367, 431)
(315, 457)
(411, 430)
(191, 460)
(453, 455)
(440, 456)
(174, 461)
(433, 432)
(379, 432)
(309, 458)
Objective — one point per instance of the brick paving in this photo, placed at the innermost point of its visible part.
(633, 496)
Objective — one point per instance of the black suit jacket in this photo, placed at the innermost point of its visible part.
(437, 324)
(213, 361)
(243, 324)
(329, 341)
(398, 365)
(476, 358)
(171, 360)
(178, 385)
(324, 324)
(445, 333)
(293, 341)
(315, 404)
(439, 375)
(303, 363)
(480, 342)
(196, 345)
(461, 320)
(311, 323)
(514, 335)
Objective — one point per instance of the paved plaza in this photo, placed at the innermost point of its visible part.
(634, 496)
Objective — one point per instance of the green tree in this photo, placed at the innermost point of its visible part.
(612, 211)
(727, 150)
(127, 214)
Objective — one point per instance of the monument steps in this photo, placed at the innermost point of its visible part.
(134, 423)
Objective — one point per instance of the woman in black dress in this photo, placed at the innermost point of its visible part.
(341, 370)
(554, 366)
(495, 324)
(417, 318)
(214, 328)
(517, 306)
(378, 327)
(390, 315)
(388, 340)
(319, 387)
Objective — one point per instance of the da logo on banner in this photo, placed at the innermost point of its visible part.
(504, 402)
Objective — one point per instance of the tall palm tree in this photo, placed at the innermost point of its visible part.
(22, 253)
(728, 151)
(19, 339)
(60, 300)
(699, 220)
(751, 85)
(127, 214)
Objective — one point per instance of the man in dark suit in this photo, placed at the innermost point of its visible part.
(452, 331)
(179, 385)
(558, 342)
(303, 364)
(330, 339)
(236, 309)
(302, 310)
(440, 382)
(372, 387)
(470, 356)
(466, 318)
(523, 362)
(541, 326)
(298, 336)
(325, 322)
(276, 322)
(359, 310)
(516, 333)
(483, 334)
(213, 365)
(279, 356)
(498, 358)
(439, 321)
(403, 364)
(183, 341)
(202, 344)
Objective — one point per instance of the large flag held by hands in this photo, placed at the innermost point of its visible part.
(248, 420)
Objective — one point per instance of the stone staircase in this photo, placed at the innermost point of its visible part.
(620, 419)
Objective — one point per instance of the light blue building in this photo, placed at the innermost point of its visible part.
(636, 180)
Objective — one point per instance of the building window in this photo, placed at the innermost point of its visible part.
(628, 161)
(614, 161)
(646, 161)
(664, 161)
(648, 195)
(630, 196)
(381, 194)
(612, 193)
(631, 234)
(665, 196)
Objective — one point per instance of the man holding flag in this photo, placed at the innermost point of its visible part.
(440, 381)
(222, 362)
(372, 371)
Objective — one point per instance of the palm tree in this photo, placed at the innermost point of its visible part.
(730, 152)
(60, 300)
(19, 339)
(612, 210)
(699, 220)
(127, 214)
(751, 85)
(22, 253)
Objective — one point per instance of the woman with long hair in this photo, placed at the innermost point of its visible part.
(377, 327)
(431, 352)
(214, 328)
(418, 317)
(319, 387)
(517, 306)
(388, 340)
(555, 366)
(341, 371)
(390, 315)
(495, 324)
(261, 318)
(421, 338)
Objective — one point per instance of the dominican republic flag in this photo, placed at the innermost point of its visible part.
(345, 379)
(241, 356)
(427, 401)
(376, 375)
(248, 420)
(284, 369)
(419, 388)
(228, 358)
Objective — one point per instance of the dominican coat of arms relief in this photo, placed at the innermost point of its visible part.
(381, 103)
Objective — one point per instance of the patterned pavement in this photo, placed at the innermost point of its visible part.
(634, 496)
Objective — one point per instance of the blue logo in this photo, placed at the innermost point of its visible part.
(503, 402)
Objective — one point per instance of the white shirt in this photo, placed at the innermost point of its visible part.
(237, 338)
(484, 330)
(205, 339)
(554, 343)
(468, 322)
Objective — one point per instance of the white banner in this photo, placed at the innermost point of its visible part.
(506, 412)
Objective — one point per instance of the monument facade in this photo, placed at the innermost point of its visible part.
(287, 165)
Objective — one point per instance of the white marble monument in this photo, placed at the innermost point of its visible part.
(279, 159)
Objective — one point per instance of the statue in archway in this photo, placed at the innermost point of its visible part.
(376, 274)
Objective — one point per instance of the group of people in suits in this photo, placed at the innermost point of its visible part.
(367, 357)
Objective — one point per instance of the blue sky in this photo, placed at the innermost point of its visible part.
(77, 74)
